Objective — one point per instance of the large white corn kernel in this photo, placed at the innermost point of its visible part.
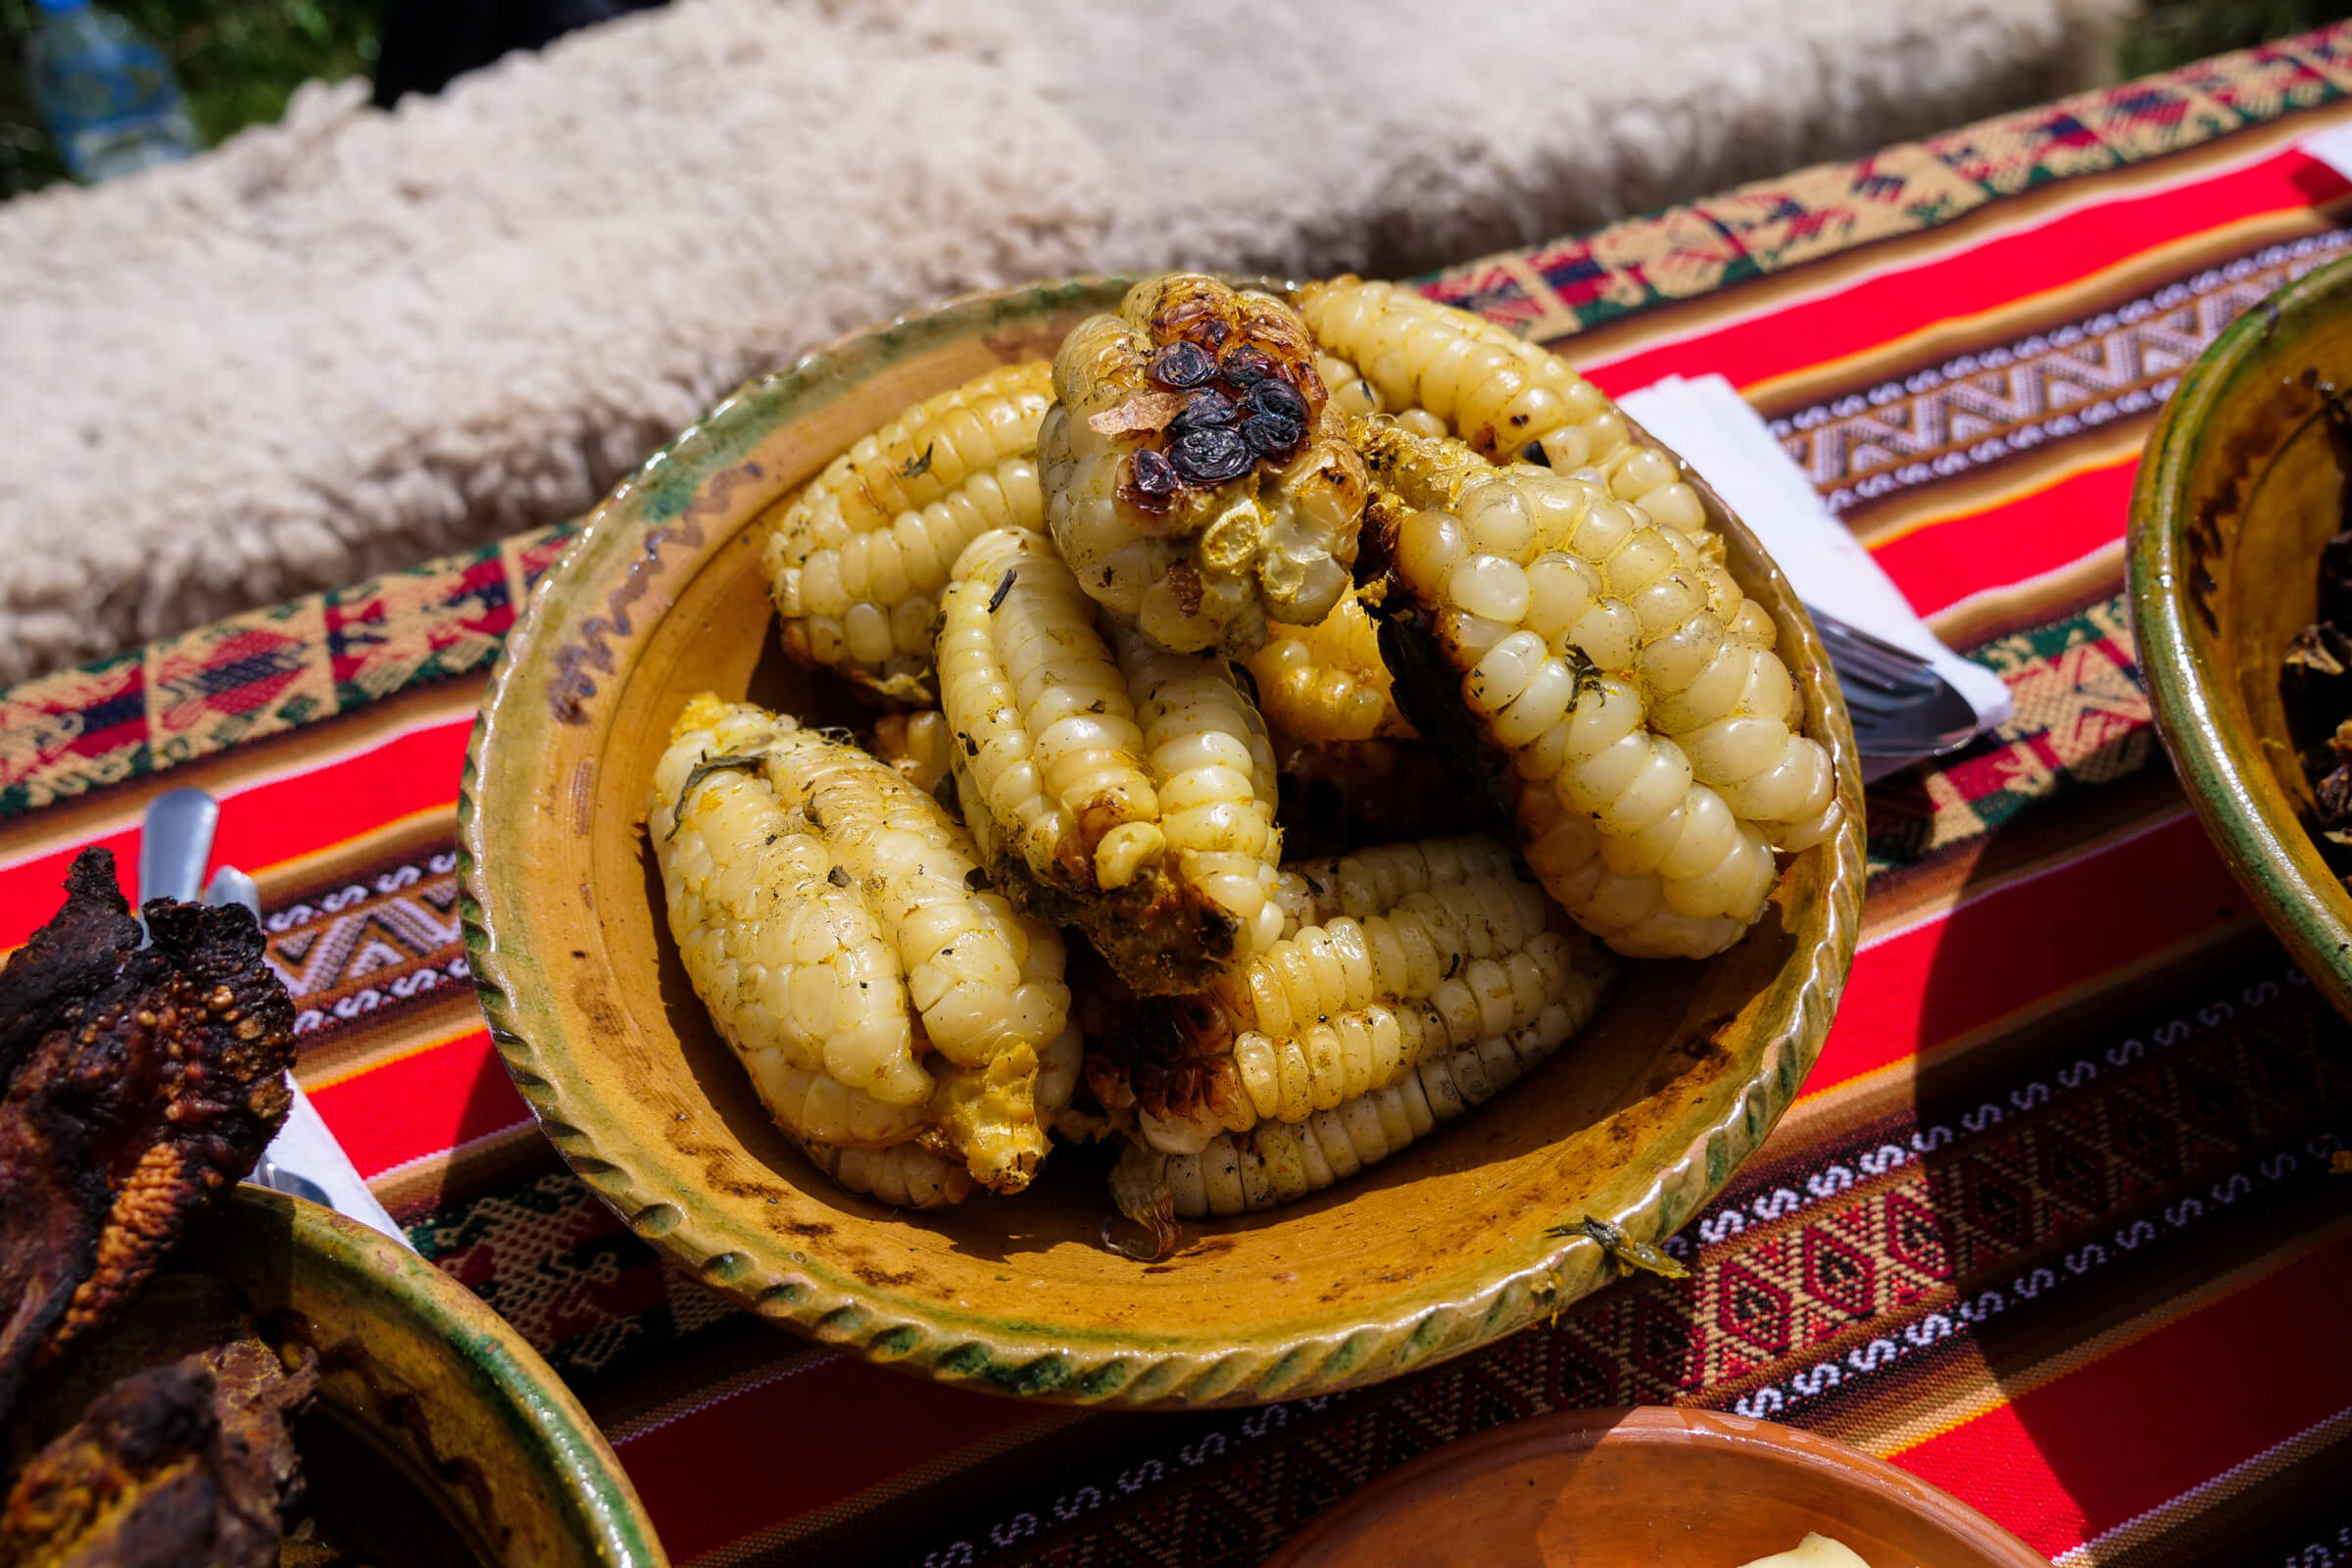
(1594, 661)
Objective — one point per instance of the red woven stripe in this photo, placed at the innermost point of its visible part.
(774, 1453)
(2024, 944)
(2143, 1424)
(273, 820)
(421, 1104)
(1938, 565)
(1999, 274)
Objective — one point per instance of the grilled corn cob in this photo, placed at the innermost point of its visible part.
(1111, 786)
(856, 560)
(1364, 882)
(1492, 388)
(825, 911)
(1326, 682)
(916, 745)
(902, 1174)
(1533, 614)
(1340, 1008)
(1347, 1041)
(1195, 480)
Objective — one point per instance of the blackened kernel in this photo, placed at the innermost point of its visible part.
(1204, 410)
(1183, 365)
(1154, 474)
(1270, 435)
(1211, 457)
(1277, 397)
(1246, 367)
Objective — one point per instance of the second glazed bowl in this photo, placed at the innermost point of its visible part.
(1438, 1248)
(2241, 487)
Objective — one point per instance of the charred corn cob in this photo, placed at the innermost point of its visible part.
(1112, 786)
(856, 560)
(1326, 682)
(916, 745)
(1347, 1041)
(825, 911)
(1195, 480)
(1340, 794)
(1340, 1008)
(1492, 388)
(1534, 615)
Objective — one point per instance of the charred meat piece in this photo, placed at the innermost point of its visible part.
(189, 1461)
(78, 951)
(147, 1095)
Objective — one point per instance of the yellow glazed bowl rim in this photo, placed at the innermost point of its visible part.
(2245, 811)
(570, 654)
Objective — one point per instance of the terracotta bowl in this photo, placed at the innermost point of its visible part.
(1613, 1489)
(2237, 492)
(1431, 1253)
(438, 1433)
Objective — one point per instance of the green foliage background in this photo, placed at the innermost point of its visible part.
(240, 60)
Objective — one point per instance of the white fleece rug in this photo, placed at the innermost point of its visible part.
(355, 340)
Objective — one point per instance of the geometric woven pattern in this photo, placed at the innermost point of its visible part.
(1974, 410)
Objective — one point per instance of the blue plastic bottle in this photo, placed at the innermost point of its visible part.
(108, 95)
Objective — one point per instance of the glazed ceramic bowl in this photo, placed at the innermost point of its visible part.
(1435, 1251)
(1616, 1489)
(438, 1433)
(2237, 492)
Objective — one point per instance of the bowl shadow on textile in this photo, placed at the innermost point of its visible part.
(2049, 1160)
(1070, 1200)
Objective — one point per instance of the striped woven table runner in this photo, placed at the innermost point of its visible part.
(2053, 1224)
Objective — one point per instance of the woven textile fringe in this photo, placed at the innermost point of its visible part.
(354, 340)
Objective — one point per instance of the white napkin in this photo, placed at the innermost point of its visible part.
(1713, 429)
(306, 1147)
(2333, 147)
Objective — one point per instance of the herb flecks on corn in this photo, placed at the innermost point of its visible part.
(1194, 478)
(1348, 1039)
(1112, 785)
(1553, 630)
(1340, 1008)
(856, 560)
(827, 914)
(1445, 372)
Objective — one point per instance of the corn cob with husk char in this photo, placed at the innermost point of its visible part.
(1445, 372)
(1111, 785)
(826, 913)
(1195, 480)
(1348, 1039)
(856, 560)
(1536, 622)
